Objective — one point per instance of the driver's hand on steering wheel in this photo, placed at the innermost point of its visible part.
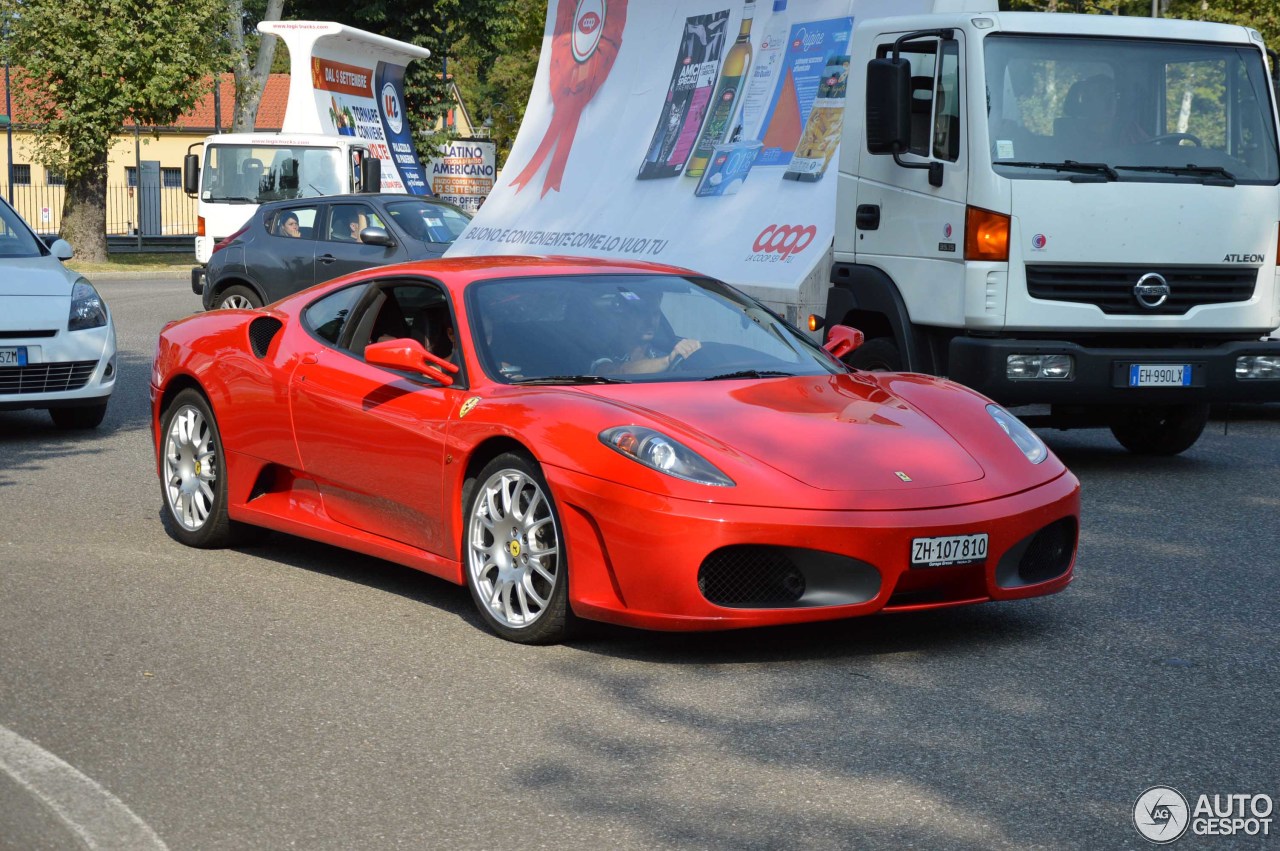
(682, 350)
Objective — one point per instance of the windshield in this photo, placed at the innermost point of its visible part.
(1146, 110)
(255, 175)
(429, 221)
(16, 239)
(631, 328)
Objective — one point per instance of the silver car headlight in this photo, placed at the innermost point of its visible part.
(87, 309)
(1026, 439)
(664, 454)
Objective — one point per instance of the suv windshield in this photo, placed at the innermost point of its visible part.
(1066, 108)
(256, 175)
(429, 221)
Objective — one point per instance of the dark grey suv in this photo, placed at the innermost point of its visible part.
(287, 246)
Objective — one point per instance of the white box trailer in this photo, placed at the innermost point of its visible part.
(344, 130)
(1064, 210)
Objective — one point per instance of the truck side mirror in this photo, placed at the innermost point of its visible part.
(370, 174)
(191, 174)
(888, 105)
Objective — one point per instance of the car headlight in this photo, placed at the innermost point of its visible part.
(1026, 439)
(664, 454)
(87, 309)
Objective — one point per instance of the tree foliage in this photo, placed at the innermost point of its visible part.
(89, 68)
(1262, 15)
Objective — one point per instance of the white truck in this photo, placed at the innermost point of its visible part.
(1070, 211)
(344, 130)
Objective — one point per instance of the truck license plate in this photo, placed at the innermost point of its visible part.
(952, 549)
(1159, 375)
(13, 356)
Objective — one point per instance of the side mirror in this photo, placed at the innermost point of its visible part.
(370, 174)
(842, 339)
(410, 356)
(61, 249)
(377, 236)
(888, 105)
(191, 174)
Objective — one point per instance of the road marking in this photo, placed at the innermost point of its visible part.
(98, 818)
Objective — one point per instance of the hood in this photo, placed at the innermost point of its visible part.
(36, 276)
(833, 432)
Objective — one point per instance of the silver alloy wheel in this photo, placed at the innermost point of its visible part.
(513, 548)
(190, 468)
(237, 302)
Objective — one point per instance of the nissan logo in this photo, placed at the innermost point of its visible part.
(1152, 290)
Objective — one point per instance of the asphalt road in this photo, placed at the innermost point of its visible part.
(293, 695)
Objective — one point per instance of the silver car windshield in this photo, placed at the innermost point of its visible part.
(16, 239)
(1069, 108)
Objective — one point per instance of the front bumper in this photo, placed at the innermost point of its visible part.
(1101, 373)
(635, 558)
(72, 369)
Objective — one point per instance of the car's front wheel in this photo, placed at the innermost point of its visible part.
(193, 480)
(514, 552)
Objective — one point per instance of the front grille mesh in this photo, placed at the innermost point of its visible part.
(1110, 288)
(749, 577)
(46, 377)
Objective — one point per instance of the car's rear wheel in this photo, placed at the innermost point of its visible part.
(237, 298)
(514, 552)
(79, 417)
(193, 479)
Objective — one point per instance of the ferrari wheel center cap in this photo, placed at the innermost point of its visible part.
(514, 548)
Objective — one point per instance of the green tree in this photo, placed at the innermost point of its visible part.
(1262, 15)
(95, 66)
(252, 56)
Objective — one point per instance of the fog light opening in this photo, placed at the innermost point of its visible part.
(1040, 367)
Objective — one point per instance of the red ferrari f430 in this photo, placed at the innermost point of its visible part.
(621, 442)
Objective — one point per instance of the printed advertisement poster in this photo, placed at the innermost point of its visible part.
(368, 103)
(696, 133)
(464, 173)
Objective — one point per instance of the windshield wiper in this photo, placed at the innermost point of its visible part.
(1225, 178)
(569, 379)
(1101, 169)
(751, 373)
(239, 198)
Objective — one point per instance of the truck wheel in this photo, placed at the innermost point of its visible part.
(878, 355)
(1160, 430)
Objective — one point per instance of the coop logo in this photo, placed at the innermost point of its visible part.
(391, 108)
(1162, 815)
(785, 240)
(1039, 241)
(588, 26)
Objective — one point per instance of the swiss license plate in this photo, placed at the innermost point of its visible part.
(13, 355)
(1160, 375)
(951, 549)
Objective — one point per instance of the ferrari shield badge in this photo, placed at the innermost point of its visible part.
(468, 406)
(903, 476)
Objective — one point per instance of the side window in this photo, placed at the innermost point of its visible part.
(417, 310)
(946, 114)
(292, 222)
(935, 96)
(347, 220)
(328, 317)
(923, 56)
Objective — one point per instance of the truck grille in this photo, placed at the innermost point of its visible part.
(46, 377)
(1111, 287)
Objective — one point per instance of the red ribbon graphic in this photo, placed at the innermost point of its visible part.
(573, 85)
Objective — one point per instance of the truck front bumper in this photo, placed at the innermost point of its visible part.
(1102, 375)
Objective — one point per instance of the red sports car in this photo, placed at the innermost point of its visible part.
(621, 442)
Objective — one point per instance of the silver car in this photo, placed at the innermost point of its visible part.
(57, 341)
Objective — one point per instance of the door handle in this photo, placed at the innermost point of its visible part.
(326, 258)
(868, 217)
(309, 358)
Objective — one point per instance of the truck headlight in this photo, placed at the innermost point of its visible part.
(1059, 367)
(87, 309)
(664, 454)
(1026, 439)
(1258, 368)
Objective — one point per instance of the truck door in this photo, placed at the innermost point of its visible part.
(919, 240)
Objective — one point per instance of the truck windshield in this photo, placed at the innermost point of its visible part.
(1065, 108)
(254, 175)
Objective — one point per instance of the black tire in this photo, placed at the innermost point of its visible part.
(191, 456)
(877, 355)
(80, 417)
(236, 294)
(515, 565)
(1160, 430)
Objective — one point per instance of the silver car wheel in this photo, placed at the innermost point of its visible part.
(513, 549)
(190, 468)
(237, 302)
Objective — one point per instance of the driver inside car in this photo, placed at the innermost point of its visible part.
(638, 349)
